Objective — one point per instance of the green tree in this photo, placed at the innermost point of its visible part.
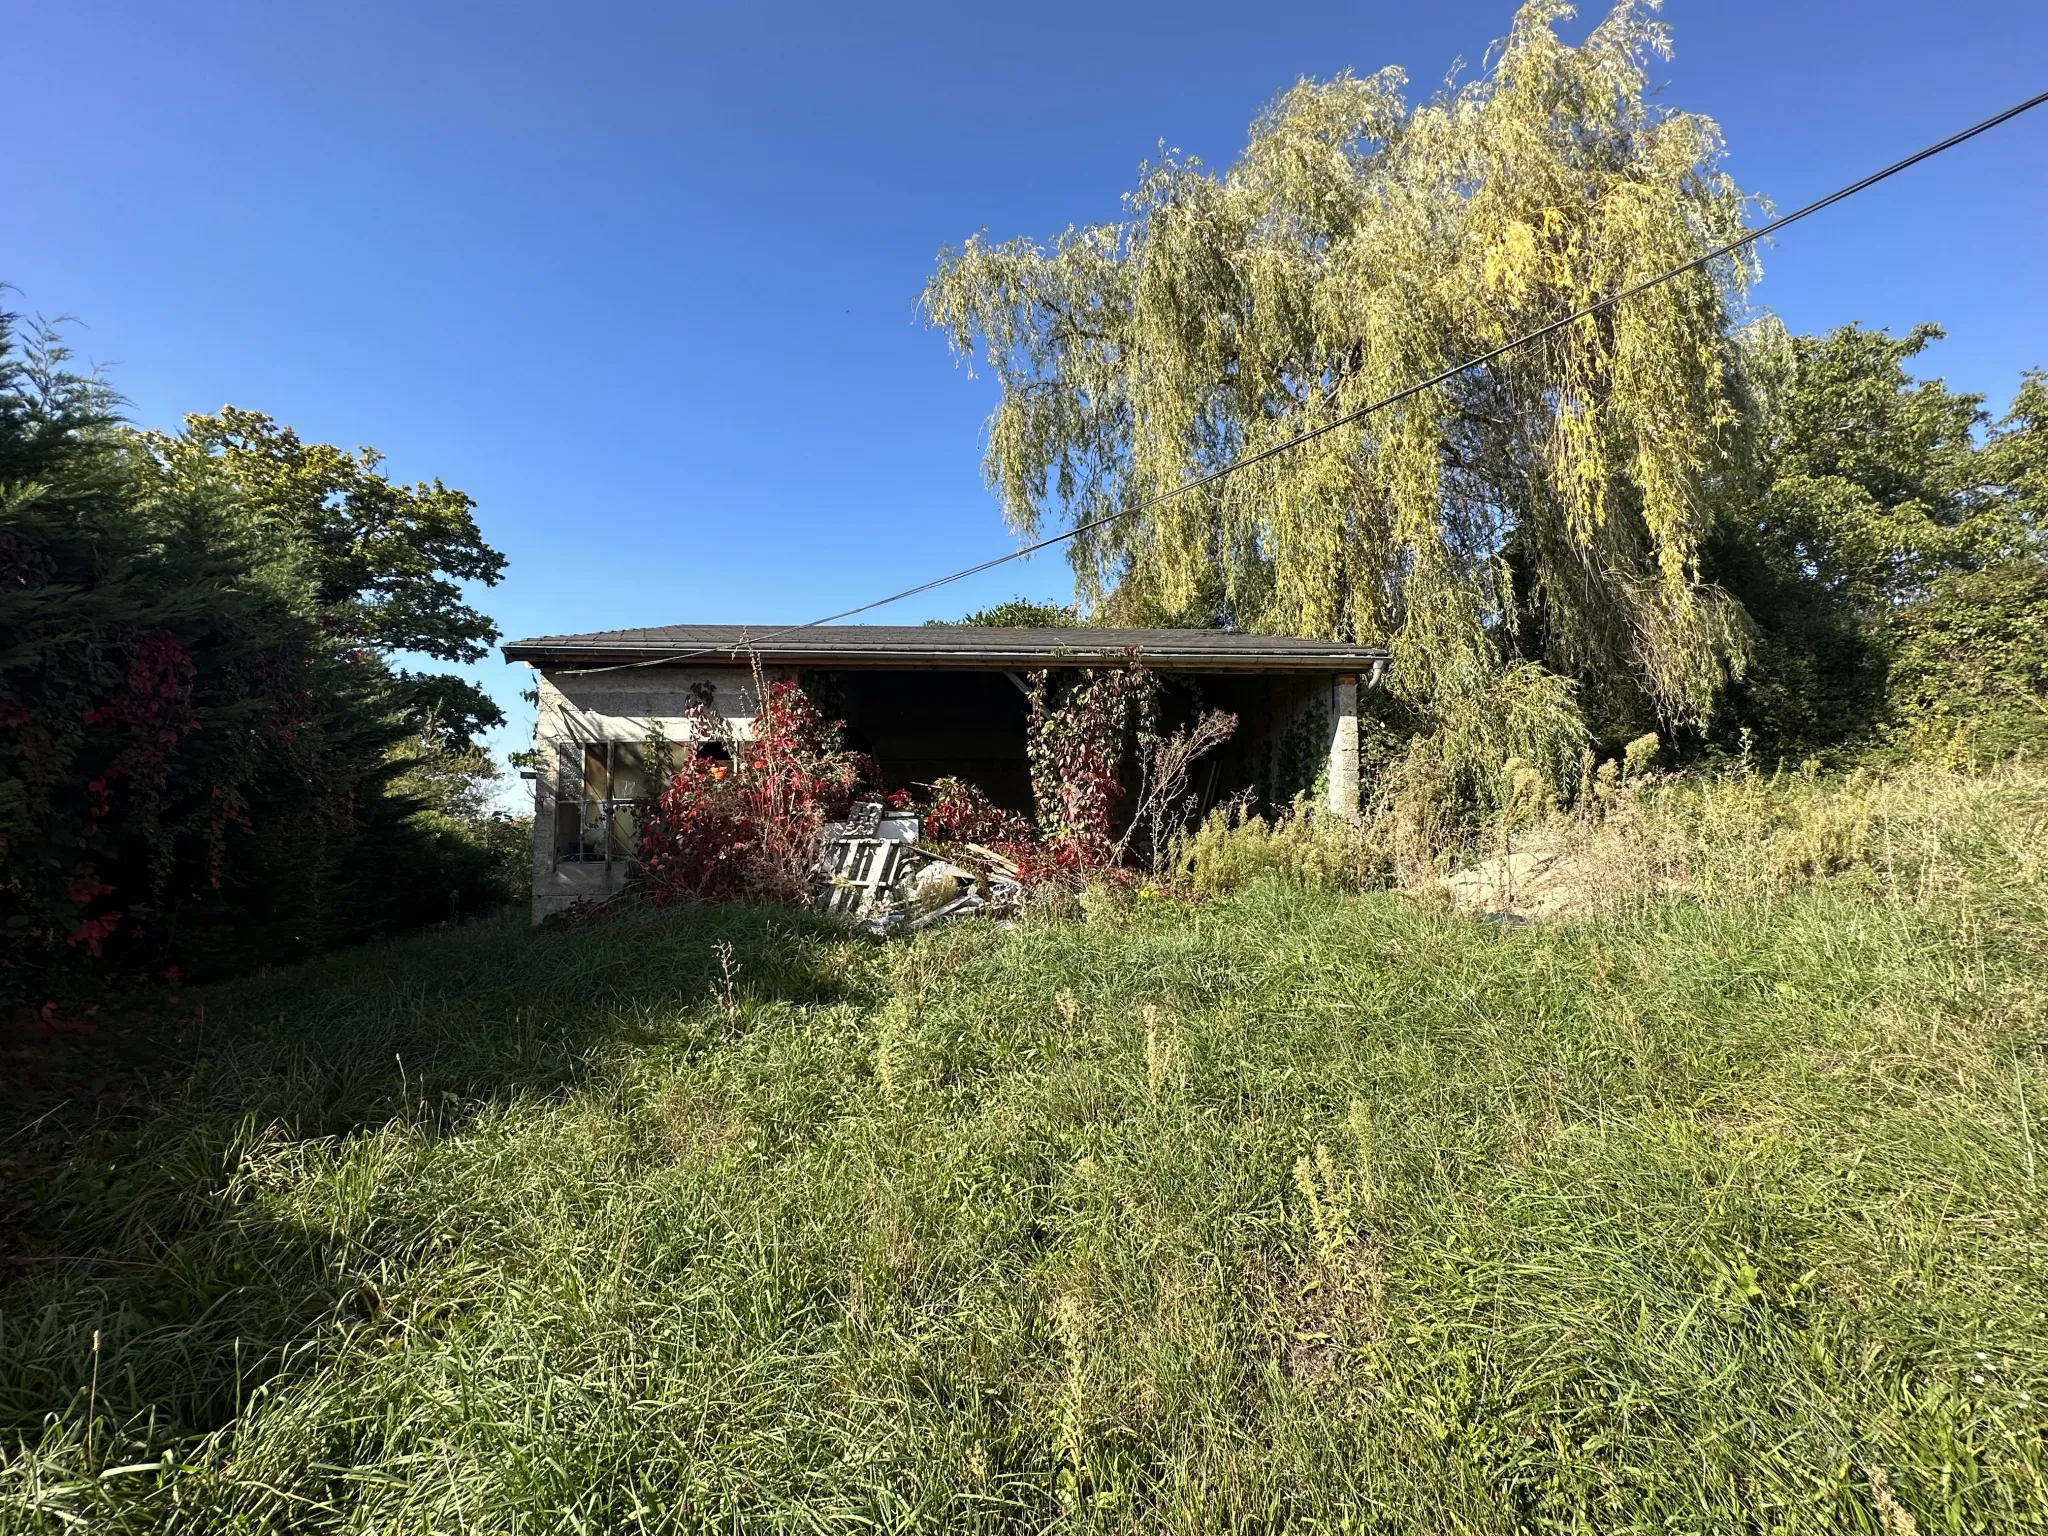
(1557, 498)
(1872, 477)
(382, 565)
(1875, 511)
(1019, 613)
(199, 737)
(383, 561)
(1968, 668)
(1969, 663)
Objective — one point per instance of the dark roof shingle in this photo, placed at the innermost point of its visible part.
(856, 646)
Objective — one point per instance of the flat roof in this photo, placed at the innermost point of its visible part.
(853, 647)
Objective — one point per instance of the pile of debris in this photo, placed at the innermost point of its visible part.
(873, 873)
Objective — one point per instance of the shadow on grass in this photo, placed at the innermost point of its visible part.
(126, 1157)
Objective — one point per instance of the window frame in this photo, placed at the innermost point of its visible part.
(591, 829)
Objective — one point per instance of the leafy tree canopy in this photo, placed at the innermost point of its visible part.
(1017, 613)
(1357, 245)
(1969, 667)
(383, 560)
(206, 759)
(450, 710)
(1873, 481)
(1875, 511)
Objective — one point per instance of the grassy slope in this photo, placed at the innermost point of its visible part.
(1282, 1210)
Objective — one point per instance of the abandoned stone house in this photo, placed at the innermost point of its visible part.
(923, 702)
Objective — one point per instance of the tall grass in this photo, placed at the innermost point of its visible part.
(1909, 833)
(1287, 1209)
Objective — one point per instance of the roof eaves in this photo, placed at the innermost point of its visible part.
(1198, 658)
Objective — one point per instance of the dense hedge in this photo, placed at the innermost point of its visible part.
(200, 732)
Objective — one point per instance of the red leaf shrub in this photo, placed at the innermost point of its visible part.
(155, 708)
(748, 830)
(1077, 749)
(959, 812)
(1078, 739)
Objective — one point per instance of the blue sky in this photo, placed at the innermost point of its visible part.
(641, 277)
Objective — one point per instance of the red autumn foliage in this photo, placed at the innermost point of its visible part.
(155, 707)
(92, 932)
(958, 812)
(748, 829)
(152, 711)
(1077, 749)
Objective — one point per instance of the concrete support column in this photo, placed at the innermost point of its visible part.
(547, 773)
(1344, 746)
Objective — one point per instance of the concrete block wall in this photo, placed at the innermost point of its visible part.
(626, 706)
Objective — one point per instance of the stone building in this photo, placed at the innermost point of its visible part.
(923, 702)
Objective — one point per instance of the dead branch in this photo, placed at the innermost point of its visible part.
(1163, 769)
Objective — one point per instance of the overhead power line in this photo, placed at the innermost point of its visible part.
(1598, 306)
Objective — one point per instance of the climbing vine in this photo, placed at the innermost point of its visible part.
(1081, 732)
(745, 825)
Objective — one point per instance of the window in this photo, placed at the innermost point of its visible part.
(598, 790)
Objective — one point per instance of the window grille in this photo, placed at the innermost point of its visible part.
(598, 791)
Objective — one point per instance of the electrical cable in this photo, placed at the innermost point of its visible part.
(1598, 306)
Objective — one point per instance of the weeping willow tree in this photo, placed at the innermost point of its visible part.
(1549, 507)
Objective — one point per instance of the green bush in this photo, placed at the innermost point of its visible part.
(1969, 672)
(1305, 848)
(207, 762)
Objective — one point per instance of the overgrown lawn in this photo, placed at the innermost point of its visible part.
(1276, 1211)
